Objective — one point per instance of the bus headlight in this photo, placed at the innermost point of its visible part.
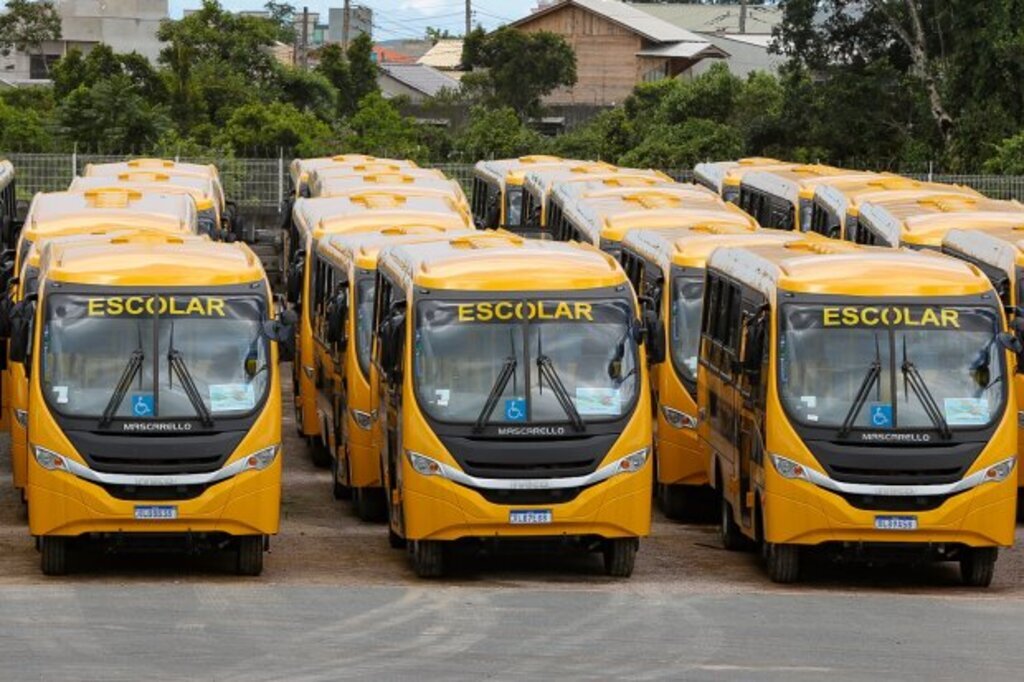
(632, 462)
(423, 464)
(787, 468)
(261, 459)
(1001, 470)
(363, 420)
(48, 459)
(677, 419)
(22, 417)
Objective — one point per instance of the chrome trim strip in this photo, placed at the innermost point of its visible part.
(823, 481)
(602, 474)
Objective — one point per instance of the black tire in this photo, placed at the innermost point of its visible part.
(673, 501)
(339, 490)
(728, 531)
(620, 556)
(978, 566)
(782, 562)
(395, 541)
(53, 555)
(249, 555)
(319, 453)
(427, 558)
(369, 504)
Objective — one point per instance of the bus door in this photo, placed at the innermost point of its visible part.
(389, 352)
(750, 381)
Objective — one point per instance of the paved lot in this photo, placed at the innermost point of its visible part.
(335, 601)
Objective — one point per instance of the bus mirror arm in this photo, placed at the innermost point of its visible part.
(652, 334)
(22, 315)
(282, 330)
(1011, 342)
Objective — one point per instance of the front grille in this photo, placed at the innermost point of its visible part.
(932, 464)
(895, 503)
(549, 469)
(512, 497)
(509, 458)
(151, 465)
(873, 475)
(116, 453)
(153, 493)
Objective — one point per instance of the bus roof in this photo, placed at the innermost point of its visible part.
(162, 165)
(299, 169)
(827, 266)
(200, 189)
(362, 249)
(494, 261)
(540, 183)
(394, 181)
(611, 186)
(53, 212)
(922, 221)
(690, 246)
(799, 181)
(1001, 247)
(845, 196)
(512, 171)
(713, 173)
(152, 260)
(371, 210)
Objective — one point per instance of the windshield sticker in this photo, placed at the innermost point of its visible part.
(515, 409)
(598, 401)
(691, 364)
(143, 405)
(881, 415)
(443, 397)
(889, 316)
(967, 411)
(503, 311)
(115, 306)
(232, 397)
(62, 394)
(811, 401)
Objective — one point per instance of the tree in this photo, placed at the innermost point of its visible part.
(378, 128)
(111, 116)
(282, 14)
(23, 129)
(266, 128)
(26, 25)
(497, 133)
(362, 71)
(307, 91)
(436, 34)
(677, 146)
(520, 68)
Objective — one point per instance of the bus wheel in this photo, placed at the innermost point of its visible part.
(250, 555)
(319, 453)
(53, 555)
(427, 558)
(369, 504)
(395, 541)
(339, 490)
(732, 539)
(978, 565)
(782, 562)
(620, 556)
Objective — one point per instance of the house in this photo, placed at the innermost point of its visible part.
(617, 46)
(446, 56)
(385, 55)
(417, 82)
(124, 25)
(744, 31)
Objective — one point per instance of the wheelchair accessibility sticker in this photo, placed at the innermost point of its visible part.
(142, 405)
(515, 410)
(881, 415)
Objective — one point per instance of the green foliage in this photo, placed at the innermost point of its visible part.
(266, 128)
(307, 91)
(378, 128)
(521, 68)
(681, 145)
(282, 14)
(496, 134)
(1009, 156)
(26, 25)
(23, 129)
(111, 116)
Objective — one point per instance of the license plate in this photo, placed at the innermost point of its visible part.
(156, 512)
(529, 516)
(896, 522)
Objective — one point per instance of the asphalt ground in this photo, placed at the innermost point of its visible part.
(336, 602)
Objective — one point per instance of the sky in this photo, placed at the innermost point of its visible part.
(395, 19)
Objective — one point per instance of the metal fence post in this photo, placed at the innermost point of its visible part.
(280, 179)
(74, 161)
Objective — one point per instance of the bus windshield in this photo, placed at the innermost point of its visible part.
(513, 206)
(687, 299)
(539, 361)
(884, 367)
(365, 287)
(100, 354)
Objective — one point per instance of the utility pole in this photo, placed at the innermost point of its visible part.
(305, 38)
(743, 16)
(346, 24)
(469, 17)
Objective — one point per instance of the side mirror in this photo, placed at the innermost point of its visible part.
(282, 330)
(22, 316)
(391, 340)
(1010, 342)
(296, 273)
(654, 337)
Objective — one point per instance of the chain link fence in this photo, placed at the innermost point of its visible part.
(261, 184)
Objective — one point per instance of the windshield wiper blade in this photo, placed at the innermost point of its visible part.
(874, 371)
(912, 378)
(178, 366)
(508, 369)
(548, 372)
(124, 383)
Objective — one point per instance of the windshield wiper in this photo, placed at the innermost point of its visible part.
(124, 383)
(508, 370)
(874, 371)
(547, 371)
(912, 378)
(177, 365)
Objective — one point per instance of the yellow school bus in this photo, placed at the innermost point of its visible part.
(836, 204)
(154, 398)
(921, 223)
(782, 198)
(324, 182)
(343, 336)
(514, 399)
(724, 177)
(999, 253)
(299, 169)
(603, 222)
(422, 182)
(567, 194)
(497, 196)
(314, 219)
(854, 400)
(66, 214)
(202, 191)
(666, 267)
